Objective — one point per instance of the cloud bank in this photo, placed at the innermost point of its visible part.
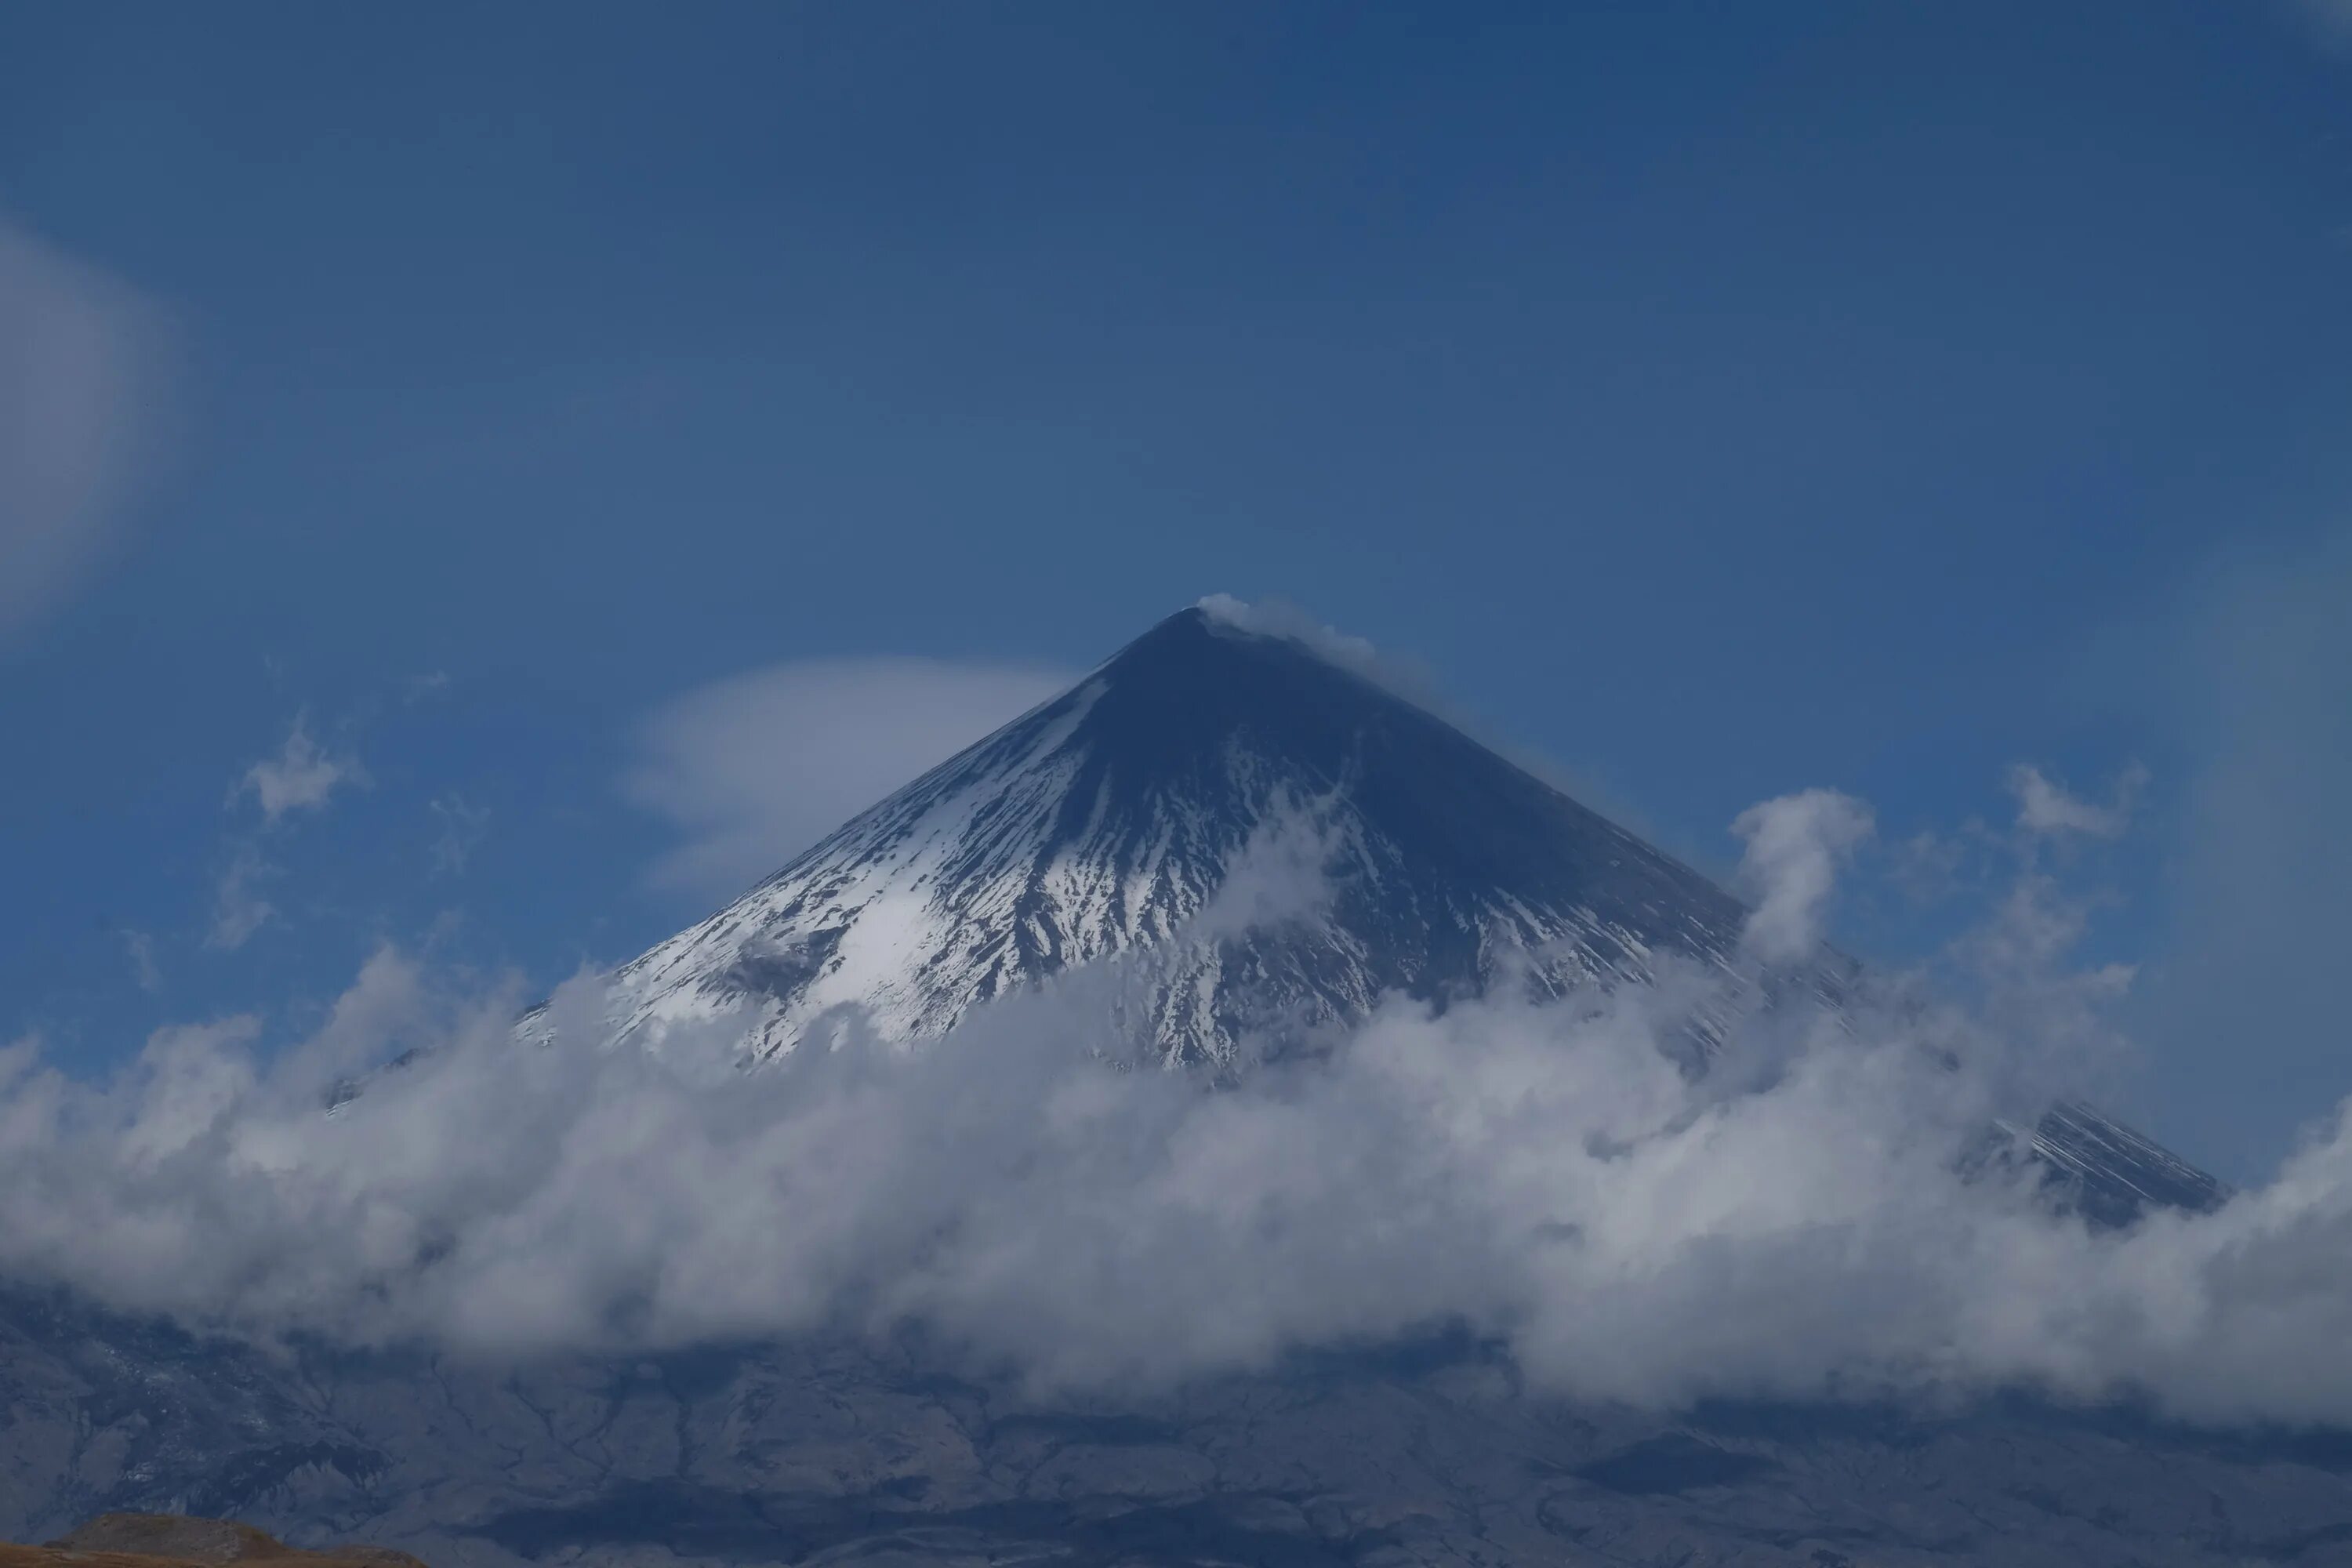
(755, 768)
(1814, 1219)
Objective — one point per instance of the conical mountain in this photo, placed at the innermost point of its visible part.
(1111, 818)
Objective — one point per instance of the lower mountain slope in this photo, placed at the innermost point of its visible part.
(869, 1453)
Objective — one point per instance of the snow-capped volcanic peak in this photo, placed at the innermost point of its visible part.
(1108, 819)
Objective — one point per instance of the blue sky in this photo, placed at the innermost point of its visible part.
(454, 411)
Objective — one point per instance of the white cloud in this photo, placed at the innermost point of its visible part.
(1795, 845)
(463, 826)
(1540, 1171)
(755, 768)
(141, 946)
(2045, 808)
(300, 778)
(1280, 619)
(80, 359)
(238, 908)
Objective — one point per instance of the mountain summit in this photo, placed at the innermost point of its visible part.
(1113, 818)
(1154, 815)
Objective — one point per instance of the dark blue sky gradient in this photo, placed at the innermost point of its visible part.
(1722, 399)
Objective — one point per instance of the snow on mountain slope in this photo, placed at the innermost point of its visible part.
(2112, 1174)
(1120, 818)
(1106, 820)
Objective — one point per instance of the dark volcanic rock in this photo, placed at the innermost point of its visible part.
(855, 1453)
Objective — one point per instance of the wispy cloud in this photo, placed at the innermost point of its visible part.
(302, 776)
(238, 908)
(754, 768)
(141, 946)
(80, 392)
(2044, 807)
(462, 828)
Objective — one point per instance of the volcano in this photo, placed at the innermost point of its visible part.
(1245, 816)
(1185, 770)
(1157, 813)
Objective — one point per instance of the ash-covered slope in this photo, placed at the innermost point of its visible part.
(1108, 820)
